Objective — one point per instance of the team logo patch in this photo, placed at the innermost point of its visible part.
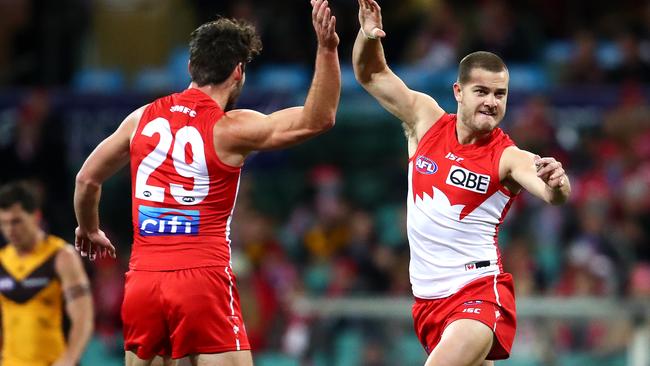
(425, 165)
(467, 179)
(6, 284)
(167, 221)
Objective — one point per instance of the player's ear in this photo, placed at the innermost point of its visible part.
(38, 215)
(238, 72)
(458, 92)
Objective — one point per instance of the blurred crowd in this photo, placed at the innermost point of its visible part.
(331, 232)
(580, 42)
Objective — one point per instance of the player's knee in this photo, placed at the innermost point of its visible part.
(232, 358)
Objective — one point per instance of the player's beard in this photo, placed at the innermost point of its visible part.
(234, 95)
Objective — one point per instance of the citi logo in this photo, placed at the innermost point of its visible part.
(167, 221)
(425, 165)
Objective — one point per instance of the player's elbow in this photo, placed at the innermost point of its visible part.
(361, 71)
(84, 180)
(362, 78)
(365, 76)
(368, 74)
(328, 123)
(322, 123)
(322, 126)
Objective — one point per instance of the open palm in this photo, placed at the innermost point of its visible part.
(370, 19)
(324, 23)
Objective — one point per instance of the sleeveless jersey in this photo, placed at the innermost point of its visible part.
(32, 305)
(456, 203)
(183, 196)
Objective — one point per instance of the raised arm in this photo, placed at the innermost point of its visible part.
(108, 157)
(417, 110)
(78, 304)
(243, 131)
(543, 177)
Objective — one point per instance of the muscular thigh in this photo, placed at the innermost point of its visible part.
(131, 359)
(464, 342)
(235, 358)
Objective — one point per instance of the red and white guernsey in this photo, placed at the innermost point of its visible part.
(183, 195)
(455, 206)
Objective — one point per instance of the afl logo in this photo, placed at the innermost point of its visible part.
(425, 165)
(146, 194)
(188, 199)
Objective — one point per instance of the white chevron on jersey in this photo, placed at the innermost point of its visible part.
(442, 244)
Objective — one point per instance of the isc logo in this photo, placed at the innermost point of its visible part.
(465, 179)
(425, 165)
(167, 221)
(472, 310)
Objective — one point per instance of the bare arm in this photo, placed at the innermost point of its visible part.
(78, 304)
(417, 110)
(243, 131)
(543, 177)
(108, 157)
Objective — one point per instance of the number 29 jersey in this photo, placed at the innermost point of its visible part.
(183, 195)
(455, 205)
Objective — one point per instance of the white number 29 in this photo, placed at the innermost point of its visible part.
(197, 169)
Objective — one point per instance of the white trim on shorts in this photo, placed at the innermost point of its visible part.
(232, 305)
(496, 297)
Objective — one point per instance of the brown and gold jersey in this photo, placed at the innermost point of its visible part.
(32, 305)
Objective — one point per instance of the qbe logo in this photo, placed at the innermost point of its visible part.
(167, 221)
(466, 179)
(425, 165)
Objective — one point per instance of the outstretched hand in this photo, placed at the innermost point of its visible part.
(324, 24)
(551, 172)
(92, 244)
(370, 19)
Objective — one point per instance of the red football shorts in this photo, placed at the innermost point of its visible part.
(489, 299)
(182, 312)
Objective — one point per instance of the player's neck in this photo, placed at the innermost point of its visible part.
(219, 93)
(466, 135)
(23, 250)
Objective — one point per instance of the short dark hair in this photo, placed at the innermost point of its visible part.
(24, 193)
(217, 47)
(479, 60)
